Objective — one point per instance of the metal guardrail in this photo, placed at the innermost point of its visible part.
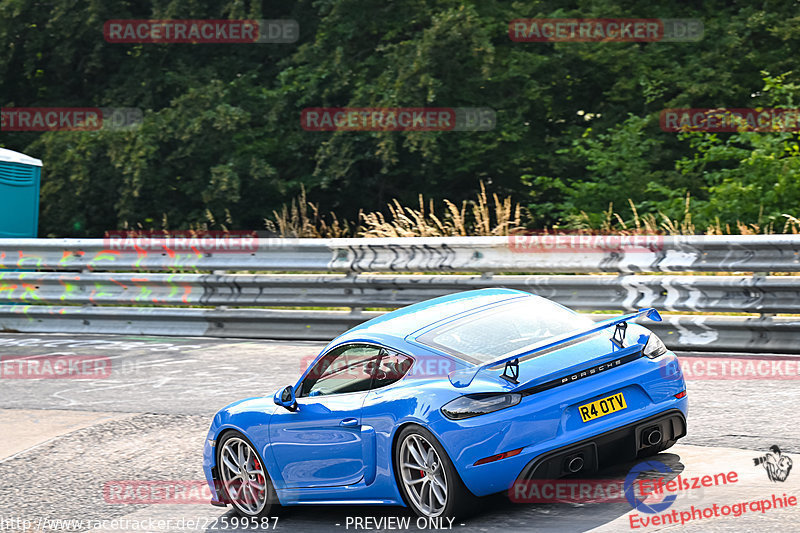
(235, 323)
(716, 253)
(729, 333)
(69, 283)
(680, 332)
(712, 294)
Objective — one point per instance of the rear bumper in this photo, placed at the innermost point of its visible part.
(549, 421)
(619, 445)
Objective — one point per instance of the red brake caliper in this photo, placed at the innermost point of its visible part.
(261, 480)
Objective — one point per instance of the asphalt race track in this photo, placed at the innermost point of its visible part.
(63, 440)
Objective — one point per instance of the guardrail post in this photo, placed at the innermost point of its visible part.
(756, 277)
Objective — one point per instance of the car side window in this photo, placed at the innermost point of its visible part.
(346, 369)
(391, 368)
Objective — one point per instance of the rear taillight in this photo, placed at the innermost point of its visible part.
(479, 404)
(681, 394)
(654, 347)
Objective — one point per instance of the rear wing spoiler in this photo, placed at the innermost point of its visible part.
(462, 378)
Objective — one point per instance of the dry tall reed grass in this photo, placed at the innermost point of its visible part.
(486, 216)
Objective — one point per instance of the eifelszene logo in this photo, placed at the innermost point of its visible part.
(776, 464)
(647, 467)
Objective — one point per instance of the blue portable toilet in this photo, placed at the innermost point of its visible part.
(20, 179)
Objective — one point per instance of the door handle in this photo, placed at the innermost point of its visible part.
(349, 422)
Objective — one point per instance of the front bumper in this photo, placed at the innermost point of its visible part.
(212, 473)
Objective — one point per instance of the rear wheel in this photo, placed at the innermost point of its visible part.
(427, 478)
(244, 478)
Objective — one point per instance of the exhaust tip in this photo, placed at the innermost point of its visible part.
(652, 436)
(575, 464)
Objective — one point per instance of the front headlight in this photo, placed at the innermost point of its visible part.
(654, 347)
(479, 404)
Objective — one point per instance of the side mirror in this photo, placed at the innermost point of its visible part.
(285, 398)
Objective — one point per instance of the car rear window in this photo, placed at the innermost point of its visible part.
(505, 329)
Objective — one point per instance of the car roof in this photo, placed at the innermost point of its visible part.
(402, 323)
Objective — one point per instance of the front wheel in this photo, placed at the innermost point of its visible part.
(428, 480)
(245, 481)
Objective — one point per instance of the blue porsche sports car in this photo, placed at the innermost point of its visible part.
(444, 401)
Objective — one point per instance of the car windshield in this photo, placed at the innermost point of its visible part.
(505, 329)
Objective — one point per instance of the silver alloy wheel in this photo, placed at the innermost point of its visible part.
(423, 475)
(243, 476)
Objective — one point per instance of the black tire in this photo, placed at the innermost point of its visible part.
(460, 502)
(658, 448)
(241, 505)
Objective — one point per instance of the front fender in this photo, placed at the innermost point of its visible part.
(250, 417)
